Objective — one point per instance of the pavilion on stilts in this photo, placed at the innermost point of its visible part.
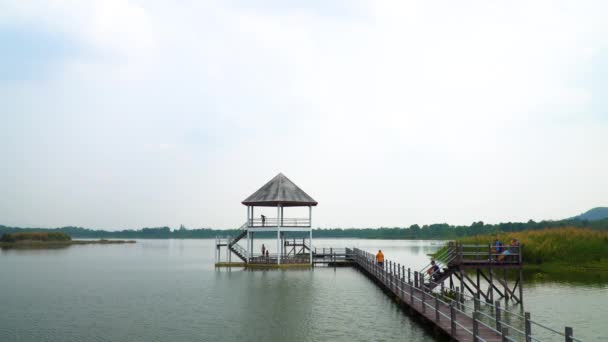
(293, 235)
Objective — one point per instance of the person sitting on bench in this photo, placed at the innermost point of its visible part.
(434, 270)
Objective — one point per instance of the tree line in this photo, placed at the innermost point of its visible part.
(433, 231)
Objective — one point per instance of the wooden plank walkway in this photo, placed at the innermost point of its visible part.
(454, 323)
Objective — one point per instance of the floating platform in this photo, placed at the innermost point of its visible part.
(263, 266)
(230, 264)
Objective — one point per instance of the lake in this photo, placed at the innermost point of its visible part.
(169, 290)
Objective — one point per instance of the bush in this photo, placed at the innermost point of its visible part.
(35, 236)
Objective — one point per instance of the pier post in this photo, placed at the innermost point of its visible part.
(416, 279)
(399, 271)
(383, 273)
(475, 326)
(452, 318)
(527, 327)
(396, 278)
(569, 334)
(457, 297)
(390, 275)
(521, 285)
(462, 298)
(423, 293)
(409, 278)
(505, 334)
(375, 268)
(491, 289)
(461, 282)
(478, 284)
(497, 315)
(505, 285)
(521, 275)
(437, 315)
(411, 294)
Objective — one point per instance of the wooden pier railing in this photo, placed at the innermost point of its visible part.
(285, 222)
(456, 317)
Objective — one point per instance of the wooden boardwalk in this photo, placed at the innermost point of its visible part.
(450, 316)
(447, 317)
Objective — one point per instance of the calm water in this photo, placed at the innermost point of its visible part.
(168, 290)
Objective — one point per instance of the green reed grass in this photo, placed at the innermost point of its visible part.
(35, 236)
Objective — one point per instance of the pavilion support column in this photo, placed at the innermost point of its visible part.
(251, 248)
(248, 251)
(279, 247)
(310, 226)
(310, 246)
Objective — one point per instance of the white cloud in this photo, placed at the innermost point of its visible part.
(408, 112)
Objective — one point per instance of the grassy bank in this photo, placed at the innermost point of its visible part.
(557, 250)
(47, 240)
(35, 236)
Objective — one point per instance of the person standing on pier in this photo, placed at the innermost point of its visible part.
(263, 220)
(380, 258)
(263, 250)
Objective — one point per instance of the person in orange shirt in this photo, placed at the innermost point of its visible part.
(380, 258)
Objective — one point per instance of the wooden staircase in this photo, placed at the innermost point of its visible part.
(445, 274)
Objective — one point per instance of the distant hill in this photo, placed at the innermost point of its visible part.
(594, 214)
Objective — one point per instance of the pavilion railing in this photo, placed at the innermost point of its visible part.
(273, 222)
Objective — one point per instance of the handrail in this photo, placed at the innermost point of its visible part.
(440, 259)
(511, 254)
(283, 222)
(397, 282)
(241, 250)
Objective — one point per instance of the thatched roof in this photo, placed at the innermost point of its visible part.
(280, 191)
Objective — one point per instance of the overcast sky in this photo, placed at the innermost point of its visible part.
(124, 114)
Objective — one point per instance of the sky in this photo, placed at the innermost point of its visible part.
(129, 114)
